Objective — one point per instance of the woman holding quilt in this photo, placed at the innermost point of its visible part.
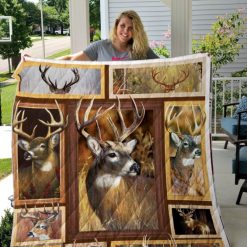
(128, 41)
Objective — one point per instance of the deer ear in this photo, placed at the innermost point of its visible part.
(94, 145)
(176, 139)
(54, 140)
(130, 145)
(24, 145)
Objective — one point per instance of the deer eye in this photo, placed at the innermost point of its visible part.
(42, 145)
(42, 227)
(186, 144)
(112, 155)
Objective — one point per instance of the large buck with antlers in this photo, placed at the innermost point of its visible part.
(42, 222)
(187, 147)
(195, 226)
(39, 180)
(119, 196)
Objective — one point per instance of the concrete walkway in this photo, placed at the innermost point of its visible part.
(6, 190)
(5, 136)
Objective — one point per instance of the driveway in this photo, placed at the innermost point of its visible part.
(52, 45)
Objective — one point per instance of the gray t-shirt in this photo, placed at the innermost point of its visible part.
(102, 50)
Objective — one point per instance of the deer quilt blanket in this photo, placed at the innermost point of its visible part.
(114, 154)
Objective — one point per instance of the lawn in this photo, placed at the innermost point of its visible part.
(7, 100)
(60, 54)
(5, 167)
(4, 76)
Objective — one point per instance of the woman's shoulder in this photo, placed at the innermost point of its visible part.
(104, 42)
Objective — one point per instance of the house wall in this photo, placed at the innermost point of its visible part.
(156, 17)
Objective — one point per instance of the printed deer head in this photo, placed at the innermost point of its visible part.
(112, 157)
(38, 149)
(169, 86)
(42, 222)
(187, 144)
(53, 85)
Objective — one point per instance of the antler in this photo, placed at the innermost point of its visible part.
(52, 86)
(172, 86)
(125, 132)
(197, 127)
(86, 122)
(30, 216)
(61, 125)
(67, 86)
(172, 118)
(188, 214)
(17, 125)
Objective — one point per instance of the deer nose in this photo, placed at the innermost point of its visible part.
(27, 156)
(135, 168)
(198, 152)
(30, 234)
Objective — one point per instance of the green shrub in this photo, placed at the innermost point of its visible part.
(6, 228)
(223, 44)
(97, 35)
(241, 73)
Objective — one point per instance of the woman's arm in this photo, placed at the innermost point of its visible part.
(79, 56)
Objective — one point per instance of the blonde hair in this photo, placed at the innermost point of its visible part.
(138, 45)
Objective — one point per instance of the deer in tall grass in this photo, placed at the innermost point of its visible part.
(121, 198)
(40, 179)
(42, 223)
(196, 226)
(187, 147)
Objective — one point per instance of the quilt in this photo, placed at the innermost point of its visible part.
(114, 154)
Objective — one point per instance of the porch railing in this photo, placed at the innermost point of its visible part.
(225, 90)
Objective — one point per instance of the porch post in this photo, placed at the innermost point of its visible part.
(181, 27)
(104, 19)
(79, 24)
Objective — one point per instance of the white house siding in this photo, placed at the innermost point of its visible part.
(156, 17)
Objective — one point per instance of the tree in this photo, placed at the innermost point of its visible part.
(32, 13)
(223, 44)
(51, 18)
(94, 9)
(6, 228)
(62, 9)
(21, 32)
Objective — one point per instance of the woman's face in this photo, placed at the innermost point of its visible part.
(124, 30)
